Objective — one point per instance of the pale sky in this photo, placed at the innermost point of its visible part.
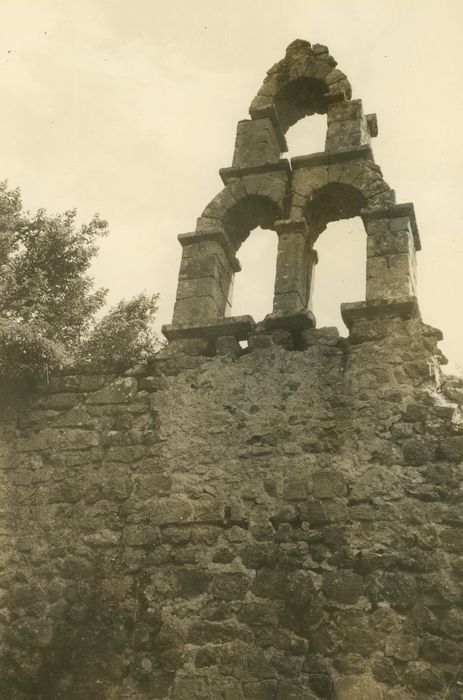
(130, 109)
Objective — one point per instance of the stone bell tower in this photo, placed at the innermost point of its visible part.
(297, 199)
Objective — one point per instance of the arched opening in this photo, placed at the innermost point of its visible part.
(254, 285)
(247, 214)
(307, 136)
(340, 273)
(332, 202)
(299, 98)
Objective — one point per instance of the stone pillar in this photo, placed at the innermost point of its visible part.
(294, 271)
(257, 143)
(206, 273)
(391, 244)
(348, 126)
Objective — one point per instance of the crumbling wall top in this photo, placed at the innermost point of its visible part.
(304, 82)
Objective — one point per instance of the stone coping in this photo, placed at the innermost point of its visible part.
(237, 326)
(297, 321)
(308, 161)
(392, 212)
(231, 173)
(331, 158)
(405, 307)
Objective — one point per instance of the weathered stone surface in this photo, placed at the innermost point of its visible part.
(403, 647)
(169, 511)
(328, 483)
(390, 276)
(122, 390)
(452, 448)
(342, 586)
(358, 688)
(424, 678)
(256, 143)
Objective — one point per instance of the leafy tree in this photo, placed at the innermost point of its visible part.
(125, 335)
(26, 352)
(44, 262)
(48, 301)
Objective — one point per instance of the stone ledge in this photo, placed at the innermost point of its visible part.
(297, 321)
(325, 158)
(228, 174)
(218, 236)
(392, 212)
(237, 326)
(406, 307)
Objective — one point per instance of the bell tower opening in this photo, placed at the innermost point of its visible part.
(253, 286)
(308, 135)
(340, 272)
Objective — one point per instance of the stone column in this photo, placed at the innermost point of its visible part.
(205, 279)
(391, 244)
(348, 126)
(294, 272)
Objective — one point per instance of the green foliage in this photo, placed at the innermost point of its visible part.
(48, 301)
(45, 261)
(125, 335)
(24, 351)
(47, 298)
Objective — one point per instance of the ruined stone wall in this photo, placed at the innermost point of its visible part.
(268, 525)
(276, 522)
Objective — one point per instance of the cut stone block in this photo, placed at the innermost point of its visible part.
(237, 326)
(390, 276)
(390, 243)
(206, 286)
(288, 302)
(346, 135)
(196, 310)
(346, 110)
(347, 126)
(403, 307)
(214, 243)
(207, 266)
(297, 321)
(393, 212)
(256, 143)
